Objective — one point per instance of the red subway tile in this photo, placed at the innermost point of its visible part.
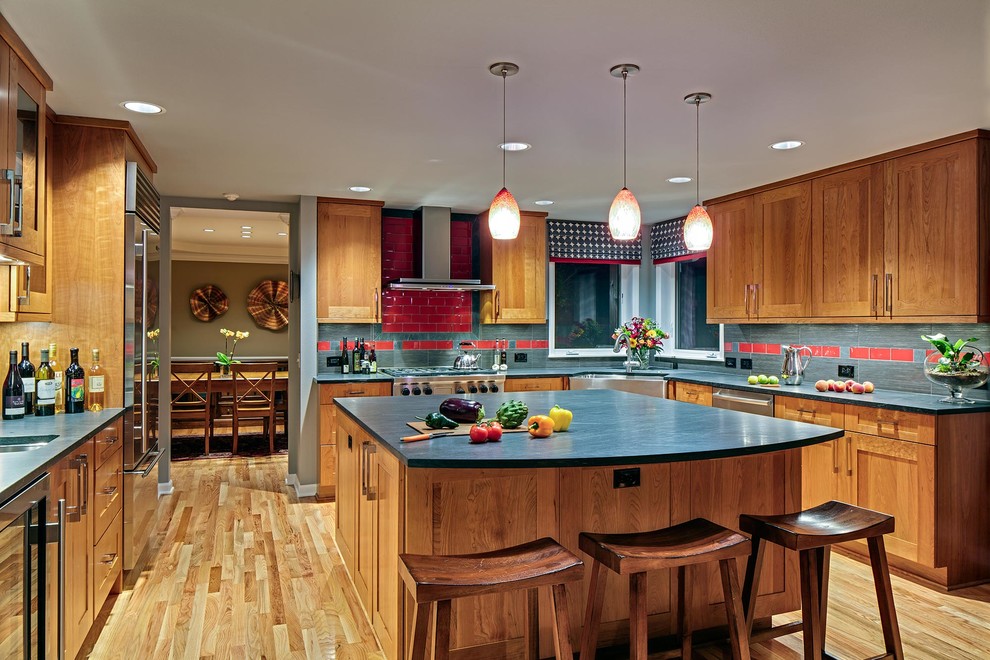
(541, 343)
(444, 345)
(859, 353)
(759, 348)
(485, 343)
(384, 345)
(817, 351)
(879, 353)
(773, 349)
(523, 343)
(902, 354)
(830, 351)
(323, 346)
(745, 347)
(729, 347)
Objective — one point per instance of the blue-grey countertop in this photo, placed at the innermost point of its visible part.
(17, 469)
(609, 428)
(889, 399)
(352, 378)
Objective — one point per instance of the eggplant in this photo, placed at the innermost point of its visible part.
(463, 410)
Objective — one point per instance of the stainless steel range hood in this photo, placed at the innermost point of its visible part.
(435, 257)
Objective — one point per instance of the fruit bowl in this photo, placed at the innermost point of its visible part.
(944, 372)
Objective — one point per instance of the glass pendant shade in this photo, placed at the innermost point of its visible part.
(624, 217)
(503, 216)
(698, 229)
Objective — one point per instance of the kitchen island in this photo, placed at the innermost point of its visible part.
(628, 463)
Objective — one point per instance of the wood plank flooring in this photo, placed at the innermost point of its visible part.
(244, 569)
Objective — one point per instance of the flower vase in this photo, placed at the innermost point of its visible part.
(640, 357)
(944, 372)
(222, 368)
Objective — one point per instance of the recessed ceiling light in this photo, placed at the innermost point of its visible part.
(515, 146)
(245, 226)
(543, 202)
(786, 144)
(208, 231)
(282, 233)
(680, 179)
(360, 189)
(245, 235)
(143, 107)
(230, 197)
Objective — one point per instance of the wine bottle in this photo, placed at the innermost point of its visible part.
(96, 384)
(59, 378)
(373, 358)
(356, 357)
(502, 357)
(45, 391)
(345, 359)
(13, 391)
(75, 384)
(26, 370)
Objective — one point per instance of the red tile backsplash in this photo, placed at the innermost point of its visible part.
(902, 354)
(879, 353)
(859, 353)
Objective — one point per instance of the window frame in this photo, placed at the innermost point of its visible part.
(666, 306)
(628, 308)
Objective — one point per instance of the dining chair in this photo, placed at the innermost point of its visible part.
(254, 397)
(192, 394)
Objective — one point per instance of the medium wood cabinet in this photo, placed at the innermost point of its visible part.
(692, 393)
(79, 589)
(783, 285)
(518, 269)
(327, 456)
(735, 248)
(349, 261)
(535, 384)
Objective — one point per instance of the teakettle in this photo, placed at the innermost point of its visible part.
(792, 373)
(466, 360)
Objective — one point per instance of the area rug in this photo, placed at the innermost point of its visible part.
(189, 448)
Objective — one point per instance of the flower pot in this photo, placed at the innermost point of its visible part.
(221, 368)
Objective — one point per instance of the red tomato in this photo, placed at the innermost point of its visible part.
(478, 435)
(494, 432)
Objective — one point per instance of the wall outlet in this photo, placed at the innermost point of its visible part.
(520, 357)
(730, 363)
(746, 363)
(625, 478)
(333, 360)
(847, 371)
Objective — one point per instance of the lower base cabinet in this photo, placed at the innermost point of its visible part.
(326, 487)
(550, 384)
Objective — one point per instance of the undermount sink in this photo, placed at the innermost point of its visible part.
(641, 382)
(24, 443)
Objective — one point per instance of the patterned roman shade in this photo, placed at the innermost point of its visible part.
(573, 241)
(667, 242)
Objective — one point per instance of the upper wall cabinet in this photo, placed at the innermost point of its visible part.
(900, 237)
(518, 269)
(349, 261)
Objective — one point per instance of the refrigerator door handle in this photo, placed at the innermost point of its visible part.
(144, 340)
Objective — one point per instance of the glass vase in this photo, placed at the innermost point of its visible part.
(948, 374)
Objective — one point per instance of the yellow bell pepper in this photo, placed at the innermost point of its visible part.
(540, 426)
(561, 418)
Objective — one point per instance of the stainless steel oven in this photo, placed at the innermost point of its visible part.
(30, 623)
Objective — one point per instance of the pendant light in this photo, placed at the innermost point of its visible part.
(698, 230)
(624, 217)
(503, 214)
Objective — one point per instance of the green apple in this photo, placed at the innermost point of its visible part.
(752, 380)
(763, 380)
(773, 380)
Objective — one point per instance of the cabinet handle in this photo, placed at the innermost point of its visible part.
(355, 392)
(110, 491)
(26, 298)
(849, 457)
(498, 305)
(756, 300)
(873, 300)
(7, 228)
(835, 457)
(888, 293)
(376, 304)
(18, 197)
(61, 579)
(82, 488)
(110, 439)
(84, 468)
(746, 297)
(372, 449)
(109, 558)
(364, 468)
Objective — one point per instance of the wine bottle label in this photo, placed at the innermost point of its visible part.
(13, 405)
(77, 390)
(347, 368)
(96, 383)
(59, 377)
(47, 390)
(28, 385)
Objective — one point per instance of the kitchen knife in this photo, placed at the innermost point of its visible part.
(424, 436)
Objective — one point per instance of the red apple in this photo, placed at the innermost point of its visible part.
(839, 386)
(830, 384)
(849, 384)
(821, 385)
(867, 387)
(858, 388)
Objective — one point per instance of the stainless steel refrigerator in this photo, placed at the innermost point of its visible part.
(142, 222)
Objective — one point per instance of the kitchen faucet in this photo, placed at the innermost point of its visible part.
(628, 364)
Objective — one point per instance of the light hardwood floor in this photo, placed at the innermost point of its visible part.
(244, 569)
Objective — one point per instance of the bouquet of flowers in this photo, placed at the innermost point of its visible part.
(225, 358)
(639, 335)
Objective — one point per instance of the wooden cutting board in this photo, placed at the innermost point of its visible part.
(463, 429)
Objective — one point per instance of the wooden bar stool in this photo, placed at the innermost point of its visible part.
(812, 533)
(441, 578)
(697, 541)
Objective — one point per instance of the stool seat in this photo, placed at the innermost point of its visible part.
(538, 563)
(826, 524)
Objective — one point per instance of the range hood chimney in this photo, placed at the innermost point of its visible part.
(435, 257)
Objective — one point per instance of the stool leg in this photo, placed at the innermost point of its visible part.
(561, 624)
(810, 603)
(683, 613)
(421, 630)
(532, 636)
(885, 597)
(441, 644)
(751, 584)
(593, 612)
(823, 557)
(738, 632)
(637, 616)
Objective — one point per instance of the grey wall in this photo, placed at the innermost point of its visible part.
(303, 241)
(194, 338)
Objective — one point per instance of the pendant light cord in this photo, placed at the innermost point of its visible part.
(697, 148)
(504, 74)
(625, 74)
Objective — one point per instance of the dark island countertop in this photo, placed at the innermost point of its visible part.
(889, 399)
(609, 428)
(18, 469)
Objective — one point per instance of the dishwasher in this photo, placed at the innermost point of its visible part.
(649, 385)
(756, 403)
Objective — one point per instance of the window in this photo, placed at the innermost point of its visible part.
(682, 303)
(589, 301)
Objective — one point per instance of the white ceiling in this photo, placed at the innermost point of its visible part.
(272, 99)
(226, 242)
